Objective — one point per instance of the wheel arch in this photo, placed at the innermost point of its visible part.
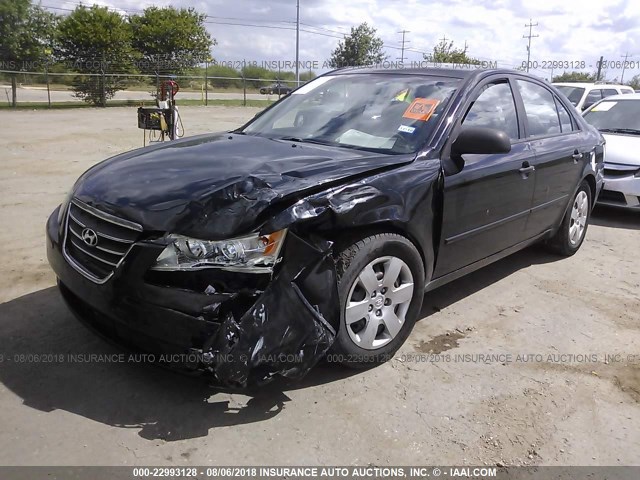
(591, 180)
(353, 234)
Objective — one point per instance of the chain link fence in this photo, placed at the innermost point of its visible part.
(48, 86)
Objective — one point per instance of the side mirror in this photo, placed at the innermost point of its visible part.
(587, 105)
(480, 140)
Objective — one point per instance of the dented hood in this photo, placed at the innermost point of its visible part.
(215, 186)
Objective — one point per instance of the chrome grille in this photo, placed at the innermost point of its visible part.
(96, 242)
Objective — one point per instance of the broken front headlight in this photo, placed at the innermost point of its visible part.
(253, 253)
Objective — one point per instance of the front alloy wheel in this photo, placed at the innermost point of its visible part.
(378, 302)
(381, 286)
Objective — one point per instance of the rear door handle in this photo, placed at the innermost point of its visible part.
(577, 156)
(526, 170)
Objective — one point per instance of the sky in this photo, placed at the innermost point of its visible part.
(568, 31)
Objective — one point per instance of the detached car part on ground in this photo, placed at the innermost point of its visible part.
(618, 119)
(321, 223)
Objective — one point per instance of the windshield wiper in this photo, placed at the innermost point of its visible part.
(630, 131)
(305, 140)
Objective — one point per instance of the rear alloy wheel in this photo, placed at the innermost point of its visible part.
(381, 286)
(578, 218)
(573, 229)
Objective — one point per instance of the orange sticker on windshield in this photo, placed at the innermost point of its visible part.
(421, 109)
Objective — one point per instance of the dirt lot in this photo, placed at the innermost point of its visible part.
(560, 403)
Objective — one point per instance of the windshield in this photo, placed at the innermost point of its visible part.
(574, 94)
(378, 112)
(622, 115)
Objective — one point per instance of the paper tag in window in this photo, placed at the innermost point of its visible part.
(604, 107)
(421, 109)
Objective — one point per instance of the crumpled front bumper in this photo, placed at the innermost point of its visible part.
(242, 337)
(621, 191)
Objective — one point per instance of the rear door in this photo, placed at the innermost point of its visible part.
(487, 202)
(560, 148)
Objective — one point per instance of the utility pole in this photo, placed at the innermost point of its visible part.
(599, 68)
(403, 32)
(206, 80)
(624, 65)
(530, 36)
(298, 43)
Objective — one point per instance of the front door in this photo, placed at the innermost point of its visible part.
(487, 203)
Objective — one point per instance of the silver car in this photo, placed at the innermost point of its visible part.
(618, 119)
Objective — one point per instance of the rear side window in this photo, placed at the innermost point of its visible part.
(540, 107)
(593, 96)
(624, 90)
(607, 92)
(494, 108)
(565, 117)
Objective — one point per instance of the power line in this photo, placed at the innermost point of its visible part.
(215, 21)
(275, 25)
(530, 36)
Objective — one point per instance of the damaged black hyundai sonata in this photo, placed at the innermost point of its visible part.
(318, 226)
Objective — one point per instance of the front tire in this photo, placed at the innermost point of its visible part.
(569, 237)
(381, 287)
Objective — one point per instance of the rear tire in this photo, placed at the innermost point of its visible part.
(573, 229)
(381, 287)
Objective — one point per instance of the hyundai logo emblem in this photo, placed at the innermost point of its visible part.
(89, 237)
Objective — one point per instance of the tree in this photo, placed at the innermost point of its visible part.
(445, 52)
(170, 40)
(361, 47)
(574, 77)
(97, 41)
(26, 32)
(634, 82)
(225, 76)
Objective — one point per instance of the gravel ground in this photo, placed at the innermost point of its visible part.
(557, 400)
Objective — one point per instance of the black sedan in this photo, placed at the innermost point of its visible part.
(277, 88)
(317, 227)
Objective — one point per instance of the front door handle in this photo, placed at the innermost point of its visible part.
(577, 156)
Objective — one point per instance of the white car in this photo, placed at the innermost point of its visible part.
(583, 95)
(618, 119)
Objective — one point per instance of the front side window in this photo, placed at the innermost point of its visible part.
(494, 108)
(386, 113)
(540, 108)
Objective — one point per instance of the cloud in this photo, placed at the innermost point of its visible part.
(493, 29)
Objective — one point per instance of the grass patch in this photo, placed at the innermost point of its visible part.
(136, 103)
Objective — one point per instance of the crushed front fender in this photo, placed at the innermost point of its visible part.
(290, 326)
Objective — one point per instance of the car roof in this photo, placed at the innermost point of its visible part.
(623, 96)
(587, 84)
(461, 73)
